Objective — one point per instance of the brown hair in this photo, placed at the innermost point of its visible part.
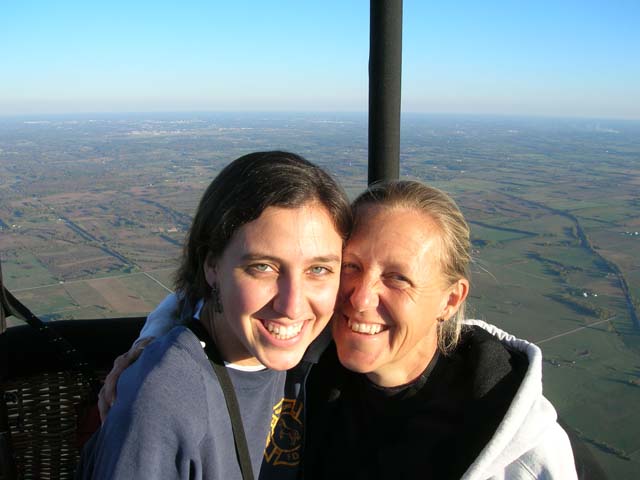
(239, 194)
(455, 251)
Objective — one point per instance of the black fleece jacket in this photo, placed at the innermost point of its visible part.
(432, 428)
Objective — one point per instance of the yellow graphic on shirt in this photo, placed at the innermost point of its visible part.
(285, 437)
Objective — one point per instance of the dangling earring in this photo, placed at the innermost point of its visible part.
(215, 298)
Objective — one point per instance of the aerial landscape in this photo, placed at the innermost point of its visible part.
(94, 208)
(115, 117)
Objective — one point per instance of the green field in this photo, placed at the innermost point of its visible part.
(544, 289)
(25, 271)
(553, 206)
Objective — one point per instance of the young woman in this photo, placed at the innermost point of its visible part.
(258, 283)
(425, 394)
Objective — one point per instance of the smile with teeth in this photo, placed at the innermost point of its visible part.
(282, 332)
(368, 328)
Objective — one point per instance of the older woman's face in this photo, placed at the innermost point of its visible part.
(392, 292)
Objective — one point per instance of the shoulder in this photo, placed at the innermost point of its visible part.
(537, 448)
(529, 443)
(552, 457)
(488, 358)
(162, 416)
(505, 338)
(170, 369)
(173, 351)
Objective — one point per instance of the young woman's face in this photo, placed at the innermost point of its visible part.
(393, 291)
(278, 279)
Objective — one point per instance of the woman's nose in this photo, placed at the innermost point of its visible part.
(289, 300)
(363, 292)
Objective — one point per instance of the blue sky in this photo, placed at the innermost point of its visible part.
(558, 58)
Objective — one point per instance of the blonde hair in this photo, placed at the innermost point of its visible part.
(455, 251)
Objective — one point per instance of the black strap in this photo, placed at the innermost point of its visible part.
(239, 438)
(12, 306)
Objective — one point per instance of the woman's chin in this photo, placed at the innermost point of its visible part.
(282, 357)
(280, 361)
(354, 359)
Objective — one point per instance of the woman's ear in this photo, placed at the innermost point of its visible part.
(209, 268)
(456, 295)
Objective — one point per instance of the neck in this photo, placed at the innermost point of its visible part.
(406, 369)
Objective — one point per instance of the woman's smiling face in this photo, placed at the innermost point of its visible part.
(392, 294)
(278, 279)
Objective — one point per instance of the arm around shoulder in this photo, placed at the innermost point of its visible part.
(155, 428)
(162, 319)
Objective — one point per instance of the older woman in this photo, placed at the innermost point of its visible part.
(424, 394)
(258, 282)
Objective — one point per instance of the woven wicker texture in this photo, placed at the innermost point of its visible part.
(42, 413)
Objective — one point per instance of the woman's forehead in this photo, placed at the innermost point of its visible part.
(396, 234)
(306, 231)
(387, 219)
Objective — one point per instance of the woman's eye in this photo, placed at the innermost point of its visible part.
(260, 267)
(349, 267)
(319, 270)
(398, 279)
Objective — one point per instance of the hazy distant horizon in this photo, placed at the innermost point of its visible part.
(86, 115)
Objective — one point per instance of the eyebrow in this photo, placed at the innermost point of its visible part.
(394, 266)
(319, 259)
(401, 267)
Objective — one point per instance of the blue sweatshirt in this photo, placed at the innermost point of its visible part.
(170, 419)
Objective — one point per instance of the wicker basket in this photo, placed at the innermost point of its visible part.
(42, 415)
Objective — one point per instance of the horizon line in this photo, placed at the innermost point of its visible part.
(315, 112)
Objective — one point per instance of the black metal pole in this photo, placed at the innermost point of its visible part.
(385, 72)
